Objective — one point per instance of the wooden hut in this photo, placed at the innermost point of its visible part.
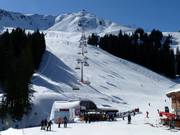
(175, 98)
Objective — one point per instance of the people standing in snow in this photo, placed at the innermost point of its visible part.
(89, 118)
(129, 118)
(65, 122)
(45, 124)
(49, 125)
(42, 124)
(85, 118)
(59, 121)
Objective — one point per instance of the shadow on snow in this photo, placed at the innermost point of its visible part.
(54, 71)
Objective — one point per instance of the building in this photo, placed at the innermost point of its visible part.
(175, 98)
(64, 108)
(71, 109)
(79, 109)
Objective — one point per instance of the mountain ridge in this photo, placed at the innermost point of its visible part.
(32, 22)
(69, 22)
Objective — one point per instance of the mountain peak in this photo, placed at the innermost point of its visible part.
(83, 12)
(75, 22)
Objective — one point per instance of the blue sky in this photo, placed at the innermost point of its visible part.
(149, 14)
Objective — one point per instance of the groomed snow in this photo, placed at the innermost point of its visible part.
(140, 126)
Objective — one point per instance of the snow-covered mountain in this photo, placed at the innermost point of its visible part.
(84, 20)
(72, 22)
(33, 22)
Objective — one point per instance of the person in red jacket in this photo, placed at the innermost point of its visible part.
(59, 121)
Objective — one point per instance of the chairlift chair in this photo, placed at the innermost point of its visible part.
(77, 67)
(79, 60)
(75, 88)
(86, 64)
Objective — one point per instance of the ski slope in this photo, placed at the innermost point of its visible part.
(115, 82)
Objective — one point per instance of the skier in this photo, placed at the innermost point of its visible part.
(65, 122)
(49, 125)
(129, 118)
(42, 124)
(158, 111)
(45, 124)
(59, 122)
(147, 114)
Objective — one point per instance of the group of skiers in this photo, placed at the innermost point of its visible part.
(46, 125)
